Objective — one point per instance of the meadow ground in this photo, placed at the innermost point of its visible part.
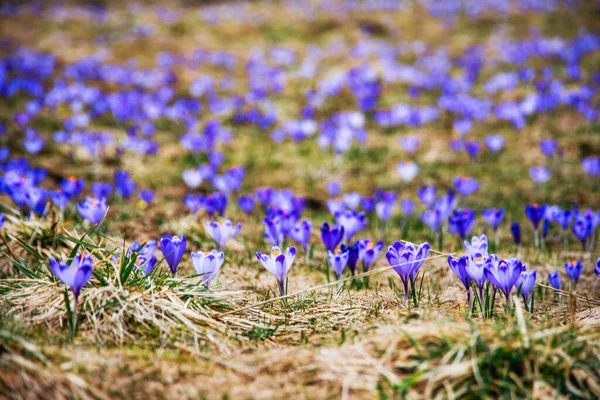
(170, 337)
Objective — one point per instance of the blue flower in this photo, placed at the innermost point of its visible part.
(573, 270)
(75, 276)
(461, 222)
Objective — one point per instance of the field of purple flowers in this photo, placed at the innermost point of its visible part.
(300, 199)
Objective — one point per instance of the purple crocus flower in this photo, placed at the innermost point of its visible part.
(410, 144)
(427, 196)
(331, 236)
(473, 148)
(264, 195)
(456, 145)
(334, 188)
(207, 264)
(548, 147)
(35, 199)
(554, 280)
(222, 231)
(193, 177)
(351, 200)
(540, 175)
(173, 249)
(353, 256)
(75, 276)
(433, 219)
(300, 233)
(564, 218)
(515, 229)
(461, 222)
(92, 209)
(493, 217)
(72, 187)
(274, 231)
(505, 275)
(338, 261)
(215, 203)
(573, 270)
(385, 206)
(278, 264)
(102, 189)
(596, 270)
(147, 196)
(407, 170)
(581, 229)
(246, 204)
(535, 213)
(367, 204)
(193, 202)
(526, 283)
(368, 252)
(478, 247)
(459, 267)
(145, 258)
(59, 199)
(352, 221)
(124, 186)
(407, 207)
(465, 186)
(591, 166)
(494, 143)
(2, 220)
(406, 260)
(476, 269)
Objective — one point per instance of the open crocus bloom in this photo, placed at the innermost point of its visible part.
(338, 260)
(92, 209)
(207, 264)
(505, 275)
(406, 260)
(278, 264)
(222, 231)
(368, 252)
(74, 276)
(478, 246)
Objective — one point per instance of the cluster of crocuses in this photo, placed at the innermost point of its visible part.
(22, 184)
(542, 216)
(478, 268)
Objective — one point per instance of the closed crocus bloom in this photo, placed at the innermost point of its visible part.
(274, 231)
(102, 189)
(407, 207)
(331, 236)
(407, 171)
(207, 264)
(146, 260)
(564, 218)
(338, 261)
(368, 252)
(75, 276)
(540, 175)
(465, 186)
(353, 256)
(461, 222)
(573, 270)
(278, 264)
(352, 221)
(535, 213)
(72, 186)
(597, 269)
(477, 247)
(548, 147)
(334, 188)
(476, 270)
(246, 204)
(406, 260)
(505, 275)
(526, 283)
(554, 280)
(581, 229)
(147, 196)
(459, 267)
(427, 196)
(59, 199)
(300, 233)
(173, 248)
(515, 229)
(493, 217)
(222, 231)
(193, 202)
(92, 209)
(124, 186)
